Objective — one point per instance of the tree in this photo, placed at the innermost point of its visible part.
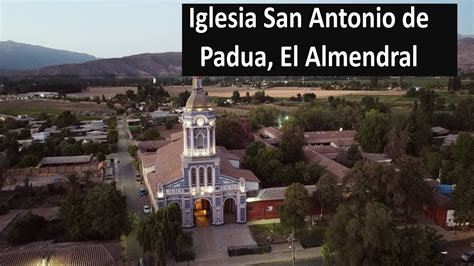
(292, 143)
(26, 229)
(433, 161)
(150, 134)
(350, 156)
(294, 206)
(101, 157)
(372, 131)
(233, 132)
(401, 187)
(463, 198)
(397, 142)
(100, 213)
(328, 192)
(183, 98)
(309, 97)
(264, 116)
(65, 119)
(235, 96)
(106, 210)
(369, 237)
(161, 233)
(454, 84)
(132, 150)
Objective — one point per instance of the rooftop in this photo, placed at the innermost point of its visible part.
(65, 160)
(337, 169)
(168, 167)
(376, 157)
(274, 193)
(91, 254)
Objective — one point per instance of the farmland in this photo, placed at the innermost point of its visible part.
(52, 107)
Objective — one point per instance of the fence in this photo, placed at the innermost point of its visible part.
(248, 250)
(53, 170)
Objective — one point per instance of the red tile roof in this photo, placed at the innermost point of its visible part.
(168, 165)
(337, 169)
(345, 137)
(94, 254)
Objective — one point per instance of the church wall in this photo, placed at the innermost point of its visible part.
(268, 209)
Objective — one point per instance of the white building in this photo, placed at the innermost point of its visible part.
(195, 174)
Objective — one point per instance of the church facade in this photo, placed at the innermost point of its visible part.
(203, 179)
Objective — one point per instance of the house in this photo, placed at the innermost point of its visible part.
(313, 156)
(60, 254)
(440, 131)
(375, 157)
(439, 209)
(265, 203)
(65, 160)
(40, 136)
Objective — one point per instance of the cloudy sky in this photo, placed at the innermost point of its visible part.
(107, 28)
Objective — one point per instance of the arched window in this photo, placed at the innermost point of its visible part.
(193, 177)
(201, 176)
(209, 176)
(200, 141)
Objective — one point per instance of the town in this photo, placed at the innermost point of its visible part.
(118, 148)
(242, 179)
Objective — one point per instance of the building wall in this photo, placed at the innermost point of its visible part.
(436, 214)
(268, 209)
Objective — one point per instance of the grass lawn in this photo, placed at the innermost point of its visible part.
(32, 111)
(279, 233)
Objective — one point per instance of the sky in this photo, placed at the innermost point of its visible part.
(109, 28)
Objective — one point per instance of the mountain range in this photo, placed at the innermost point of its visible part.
(22, 56)
(23, 60)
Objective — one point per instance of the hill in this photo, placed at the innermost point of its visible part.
(142, 65)
(21, 56)
(466, 54)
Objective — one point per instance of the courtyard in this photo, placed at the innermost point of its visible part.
(211, 242)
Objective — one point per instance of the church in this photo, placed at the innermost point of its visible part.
(204, 180)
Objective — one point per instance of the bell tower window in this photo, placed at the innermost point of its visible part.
(200, 141)
(201, 176)
(193, 177)
(209, 176)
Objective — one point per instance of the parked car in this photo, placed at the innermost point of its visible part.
(143, 192)
(146, 209)
(139, 178)
(468, 256)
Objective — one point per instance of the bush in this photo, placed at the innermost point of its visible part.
(187, 255)
(248, 250)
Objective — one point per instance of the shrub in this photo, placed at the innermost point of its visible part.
(248, 250)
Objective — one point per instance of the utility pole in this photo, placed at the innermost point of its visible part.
(292, 247)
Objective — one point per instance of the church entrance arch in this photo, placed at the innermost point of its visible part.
(230, 211)
(202, 212)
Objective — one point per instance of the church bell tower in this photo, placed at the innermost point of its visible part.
(201, 165)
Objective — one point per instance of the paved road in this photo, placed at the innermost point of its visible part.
(126, 175)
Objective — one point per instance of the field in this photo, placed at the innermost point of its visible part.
(36, 107)
(214, 91)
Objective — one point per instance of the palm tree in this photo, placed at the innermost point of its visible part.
(73, 180)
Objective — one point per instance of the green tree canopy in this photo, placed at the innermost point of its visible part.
(100, 213)
(372, 131)
(328, 193)
(161, 233)
(294, 206)
(292, 143)
(264, 116)
(233, 132)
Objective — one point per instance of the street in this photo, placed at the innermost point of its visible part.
(126, 178)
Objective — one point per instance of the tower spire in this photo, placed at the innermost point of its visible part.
(197, 83)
